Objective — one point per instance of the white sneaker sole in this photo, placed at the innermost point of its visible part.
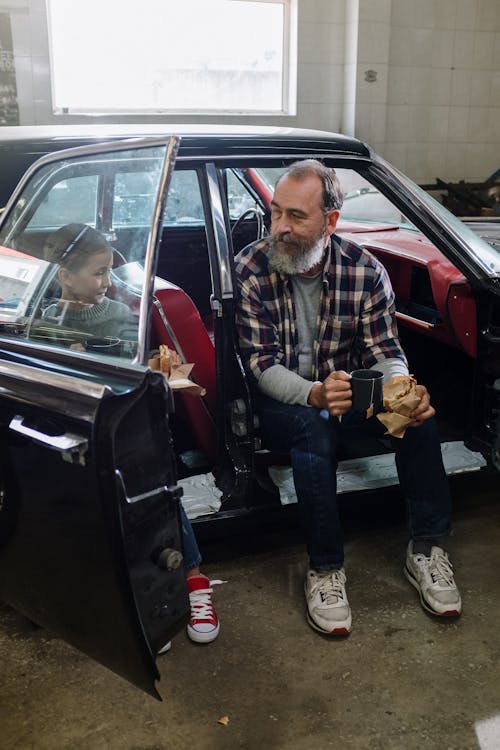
(454, 612)
(197, 637)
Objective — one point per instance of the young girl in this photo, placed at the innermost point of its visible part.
(85, 259)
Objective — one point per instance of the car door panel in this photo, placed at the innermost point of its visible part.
(82, 558)
(90, 537)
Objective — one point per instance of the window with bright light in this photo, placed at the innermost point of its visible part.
(176, 56)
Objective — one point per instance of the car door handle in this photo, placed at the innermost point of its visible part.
(72, 447)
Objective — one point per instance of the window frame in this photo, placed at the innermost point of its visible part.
(288, 77)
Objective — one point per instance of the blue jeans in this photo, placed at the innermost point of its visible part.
(192, 556)
(313, 446)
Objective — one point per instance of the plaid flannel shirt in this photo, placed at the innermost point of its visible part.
(356, 322)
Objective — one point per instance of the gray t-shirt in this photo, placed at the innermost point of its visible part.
(293, 388)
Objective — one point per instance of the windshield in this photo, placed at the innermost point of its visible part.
(485, 254)
(365, 204)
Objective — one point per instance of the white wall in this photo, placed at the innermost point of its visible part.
(433, 110)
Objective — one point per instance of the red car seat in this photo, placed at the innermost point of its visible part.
(177, 323)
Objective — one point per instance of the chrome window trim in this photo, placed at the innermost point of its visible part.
(172, 146)
(219, 229)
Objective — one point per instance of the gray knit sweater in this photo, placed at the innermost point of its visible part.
(108, 318)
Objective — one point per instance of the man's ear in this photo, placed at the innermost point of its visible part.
(332, 218)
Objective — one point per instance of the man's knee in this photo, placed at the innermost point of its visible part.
(425, 435)
(289, 426)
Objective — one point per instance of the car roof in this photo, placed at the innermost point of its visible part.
(54, 137)
(20, 146)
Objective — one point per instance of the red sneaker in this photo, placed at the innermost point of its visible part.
(203, 627)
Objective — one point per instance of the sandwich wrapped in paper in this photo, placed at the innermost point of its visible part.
(400, 400)
(169, 363)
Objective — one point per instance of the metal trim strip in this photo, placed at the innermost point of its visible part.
(69, 383)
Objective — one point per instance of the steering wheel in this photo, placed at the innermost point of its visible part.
(254, 211)
(118, 258)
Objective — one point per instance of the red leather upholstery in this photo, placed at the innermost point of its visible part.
(182, 329)
(400, 251)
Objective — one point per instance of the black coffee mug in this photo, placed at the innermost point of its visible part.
(366, 386)
(104, 345)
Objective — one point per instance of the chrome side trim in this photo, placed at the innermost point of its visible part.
(68, 383)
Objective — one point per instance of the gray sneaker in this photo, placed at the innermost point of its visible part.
(328, 610)
(433, 578)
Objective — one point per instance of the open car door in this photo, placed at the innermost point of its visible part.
(90, 536)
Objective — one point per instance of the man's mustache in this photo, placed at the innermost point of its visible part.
(283, 237)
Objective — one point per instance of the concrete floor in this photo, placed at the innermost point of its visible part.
(400, 681)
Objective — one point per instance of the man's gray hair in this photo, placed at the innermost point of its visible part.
(333, 195)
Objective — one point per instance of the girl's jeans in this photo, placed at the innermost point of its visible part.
(192, 557)
(313, 444)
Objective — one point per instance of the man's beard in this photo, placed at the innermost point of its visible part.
(304, 256)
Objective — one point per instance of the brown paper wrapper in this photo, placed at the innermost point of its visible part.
(177, 374)
(400, 400)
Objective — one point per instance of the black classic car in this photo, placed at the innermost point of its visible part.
(98, 448)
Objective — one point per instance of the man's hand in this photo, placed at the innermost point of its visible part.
(334, 394)
(424, 410)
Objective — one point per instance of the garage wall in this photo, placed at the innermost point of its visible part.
(427, 86)
(434, 108)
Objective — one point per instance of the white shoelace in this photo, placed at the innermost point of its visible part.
(201, 602)
(331, 587)
(441, 570)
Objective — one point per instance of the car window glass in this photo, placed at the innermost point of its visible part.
(486, 253)
(184, 205)
(133, 198)
(76, 223)
(238, 197)
(184, 258)
(70, 200)
(362, 200)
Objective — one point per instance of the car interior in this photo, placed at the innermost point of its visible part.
(436, 309)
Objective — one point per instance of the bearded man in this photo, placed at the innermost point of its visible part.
(312, 307)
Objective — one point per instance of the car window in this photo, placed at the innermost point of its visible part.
(239, 199)
(134, 195)
(74, 199)
(184, 257)
(362, 201)
(184, 205)
(76, 223)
